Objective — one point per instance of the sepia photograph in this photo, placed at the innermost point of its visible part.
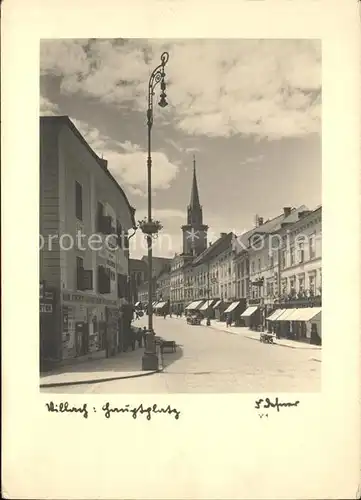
(180, 215)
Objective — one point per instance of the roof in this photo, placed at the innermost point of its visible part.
(215, 249)
(268, 227)
(65, 120)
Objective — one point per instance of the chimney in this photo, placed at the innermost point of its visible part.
(287, 211)
(104, 163)
(260, 221)
(304, 213)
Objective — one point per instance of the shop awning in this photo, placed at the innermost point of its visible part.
(207, 304)
(137, 304)
(232, 307)
(154, 303)
(217, 304)
(194, 305)
(305, 314)
(160, 305)
(276, 314)
(249, 311)
(285, 315)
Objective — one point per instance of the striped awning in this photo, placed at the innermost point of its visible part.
(305, 314)
(217, 304)
(160, 305)
(207, 304)
(249, 311)
(194, 305)
(276, 314)
(232, 307)
(137, 304)
(285, 315)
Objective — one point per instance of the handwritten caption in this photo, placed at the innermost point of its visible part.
(108, 410)
(265, 404)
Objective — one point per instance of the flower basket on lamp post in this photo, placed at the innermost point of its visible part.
(150, 227)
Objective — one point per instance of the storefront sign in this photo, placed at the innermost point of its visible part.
(77, 297)
(46, 308)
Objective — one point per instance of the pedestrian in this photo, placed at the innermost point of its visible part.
(140, 337)
(228, 320)
(164, 315)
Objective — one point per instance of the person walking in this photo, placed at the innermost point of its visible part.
(228, 320)
(140, 337)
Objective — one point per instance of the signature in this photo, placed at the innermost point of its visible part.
(267, 403)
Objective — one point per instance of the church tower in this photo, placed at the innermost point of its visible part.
(194, 232)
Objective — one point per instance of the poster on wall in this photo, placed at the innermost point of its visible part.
(68, 333)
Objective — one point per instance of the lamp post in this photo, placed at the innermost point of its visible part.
(208, 308)
(150, 358)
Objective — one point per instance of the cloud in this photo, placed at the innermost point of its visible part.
(48, 108)
(131, 168)
(174, 144)
(252, 159)
(218, 88)
(127, 162)
(164, 213)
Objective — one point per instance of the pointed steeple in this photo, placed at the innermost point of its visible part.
(194, 204)
(194, 208)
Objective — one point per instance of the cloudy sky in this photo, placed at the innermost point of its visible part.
(249, 110)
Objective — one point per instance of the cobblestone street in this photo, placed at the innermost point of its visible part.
(210, 360)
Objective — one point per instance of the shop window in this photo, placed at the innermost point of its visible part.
(78, 201)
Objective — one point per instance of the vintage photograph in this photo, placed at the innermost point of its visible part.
(180, 216)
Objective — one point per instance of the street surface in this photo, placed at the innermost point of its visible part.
(211, 361)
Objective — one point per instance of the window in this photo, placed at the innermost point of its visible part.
(79, 273)
(120, 235)
(103, 279)
(311, 283)
(312, 246)
(301, 284)
(78, 201)
(259, 264)
(283, 259)
(253, 267)
(271, 261)
(292, 256)
(301, 252)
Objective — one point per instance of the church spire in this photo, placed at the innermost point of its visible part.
(194, 204)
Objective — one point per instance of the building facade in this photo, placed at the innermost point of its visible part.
(85, 217)
(280, 267)
(138, 271)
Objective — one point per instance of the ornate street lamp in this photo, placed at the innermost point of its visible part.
(151, 228)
